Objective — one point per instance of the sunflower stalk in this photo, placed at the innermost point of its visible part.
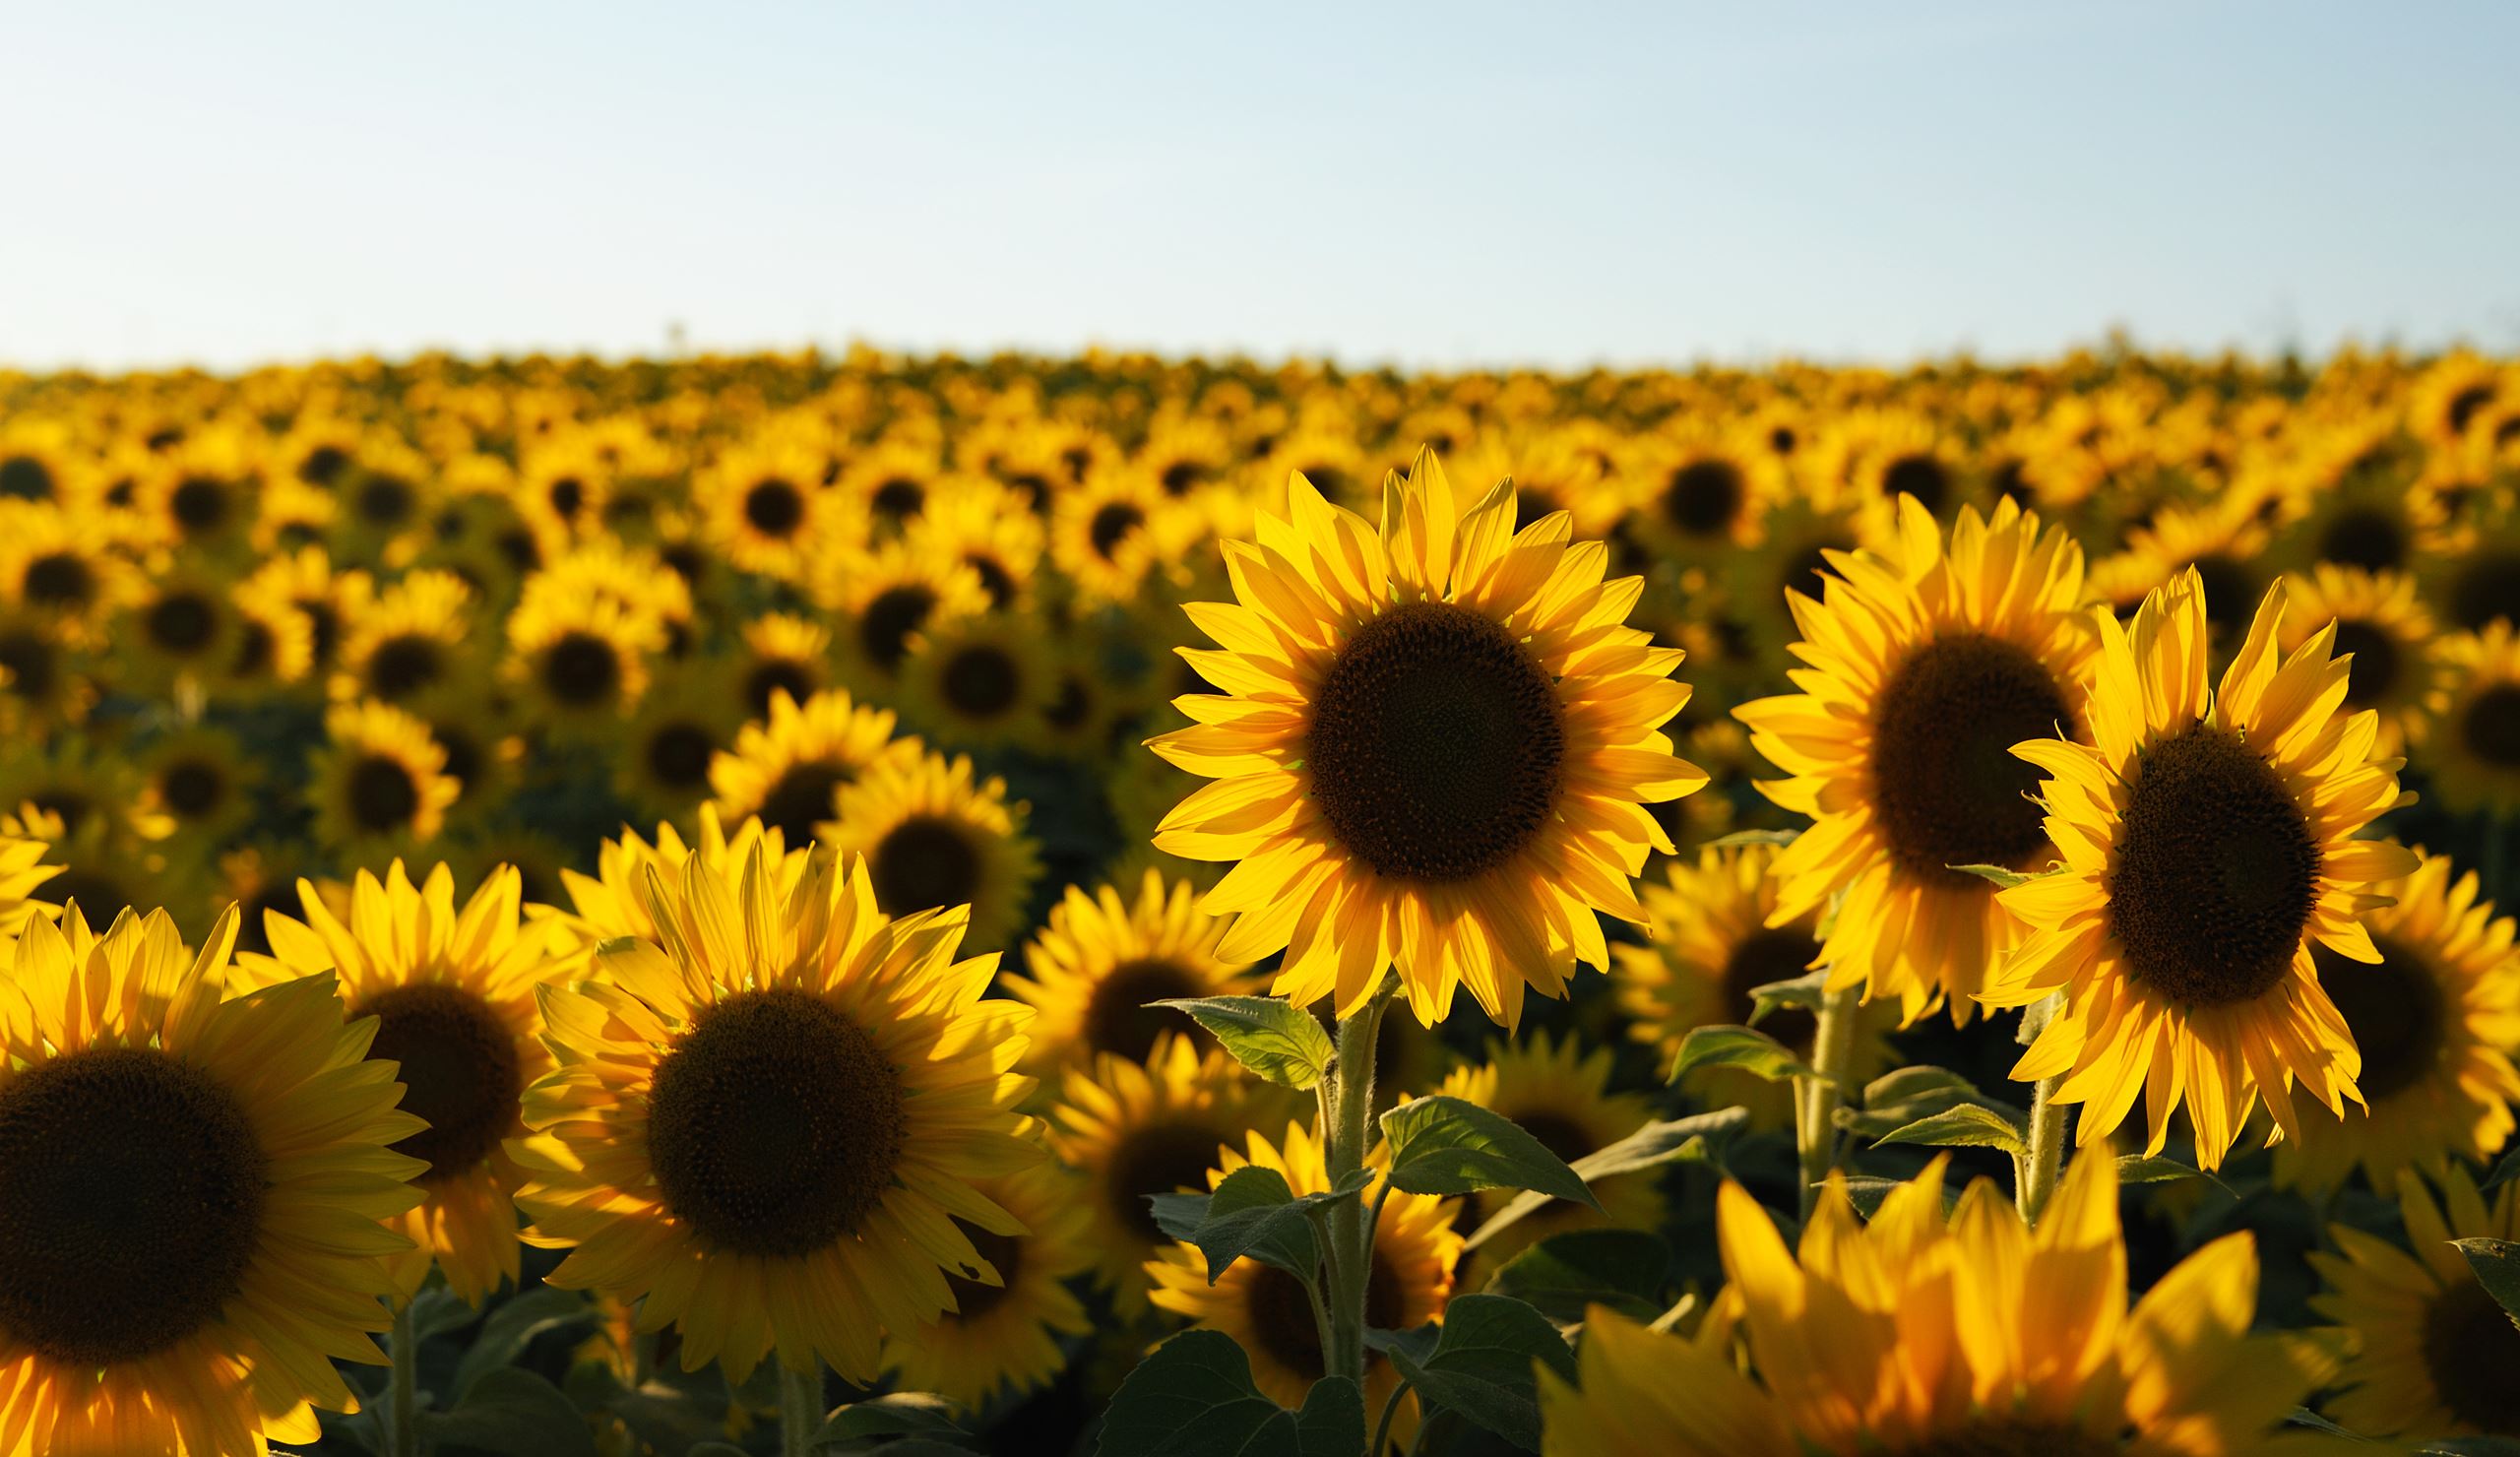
(1352, 1236)
(402, 1439)
(2042, 1159)
(800, 1408)
(1816, 1099)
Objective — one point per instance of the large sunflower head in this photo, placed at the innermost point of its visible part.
(1267, 1310)
(2435, 1021)
(2432, 1352)
(768, 1123)
(935, 835)
(195, 1188)
(1103, 958)
(1924, 667)
(1433, 750)
(1924, 1333)
(452, 990)
(2206, 842)
(1137, 1129)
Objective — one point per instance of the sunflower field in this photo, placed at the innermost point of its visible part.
(923, 906)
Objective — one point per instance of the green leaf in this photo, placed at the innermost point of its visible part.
(1742, 838)
(513, 1326)
(2498, 1266)
(1254, 1213)
(2304, 1417)
(2505, 1169)
(1444, 1145)
(1563, 1275)
(1963, 1125)
(1483, 1367)
(1178, 1216)
(1807, 991)
(1193, 1397)
(1279, 1041)
(1998, 875)
(515, 1413)
(1654, 1144)
(900, 1413)
(1332, 1422)
(2135, 1168)
(1746, 1049)
(437, 1310)
(1897, 1099)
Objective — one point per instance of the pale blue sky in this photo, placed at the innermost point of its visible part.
(1447, 184)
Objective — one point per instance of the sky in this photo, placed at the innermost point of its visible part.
(1447, 185)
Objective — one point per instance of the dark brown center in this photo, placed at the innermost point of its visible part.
(895, 613)
(1159, 1159)
(1117, 1018)
(581, 670)
(774, 507)
(2491, 727)
(923, 862)
(2470, 1349)
(459, 1071)
(2394, 1010)
(382, 797)
(980, 680)
(1945, 783)
(1705, 496)
(801, 799)
(1437, 744)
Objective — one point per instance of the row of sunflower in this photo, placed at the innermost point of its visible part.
(2174, 703)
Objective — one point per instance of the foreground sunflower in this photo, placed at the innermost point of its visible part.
(2432, 1353)
(2437, 1022)
(768, 1123)
(1922, 1334)
(1267, 1310)
(1927, 664)
(194, 1189)
(452, 993)
(1100, 960)
(2207, 841)
(1432, 751)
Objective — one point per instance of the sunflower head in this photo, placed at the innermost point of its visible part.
(2206, 839)
(1433, 750)
(759, 1112)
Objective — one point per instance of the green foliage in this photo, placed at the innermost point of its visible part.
(513, 1412)
(1280, 1041)
(1965, 1125)
(1744, 1048)
(1483, 1365)
(1193, 1397)
(1446, 1145)
(1652, 1145)
(1565, 1274)
(2498, 1266)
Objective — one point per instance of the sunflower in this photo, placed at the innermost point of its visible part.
(1136, 1129)
(275, 645)
(769, 505)
(978, 681)
(1705, 495)
(1267, 1310)
(1102, 960)
(685, 720)
(2437, 1022)
(582, 660)
(2381, 622)
(1712, 944)
(886, 598)
(1925, 668)
(1005, 1338)
(450, 990)
(65, 569)
(1968, 1333)
(1114, 532)
(2432, 1352)
(985, 526)
(2221, 541)
(381, 783)
(933, 836)
(888, 486)
(781, 652)
(768, 1123)
(411, 637)
(22, 874)
(326, 598)
(1431, 751)
(43, 679)
(1899, 456)
(203, 781)
(790, 769)
(193, 1186)
(2206, 840)
(1559, 1094)
(180, 628)
(2475, 757)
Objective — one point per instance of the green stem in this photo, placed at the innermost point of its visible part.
(800, 1408)
(403, 1405)
(2044, 1157)
(1382, 1428)
(1816, 1099)
(1351, 1261)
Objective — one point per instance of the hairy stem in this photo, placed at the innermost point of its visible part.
(2045, 1159)
(800, 1408)
(1816, 1099)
